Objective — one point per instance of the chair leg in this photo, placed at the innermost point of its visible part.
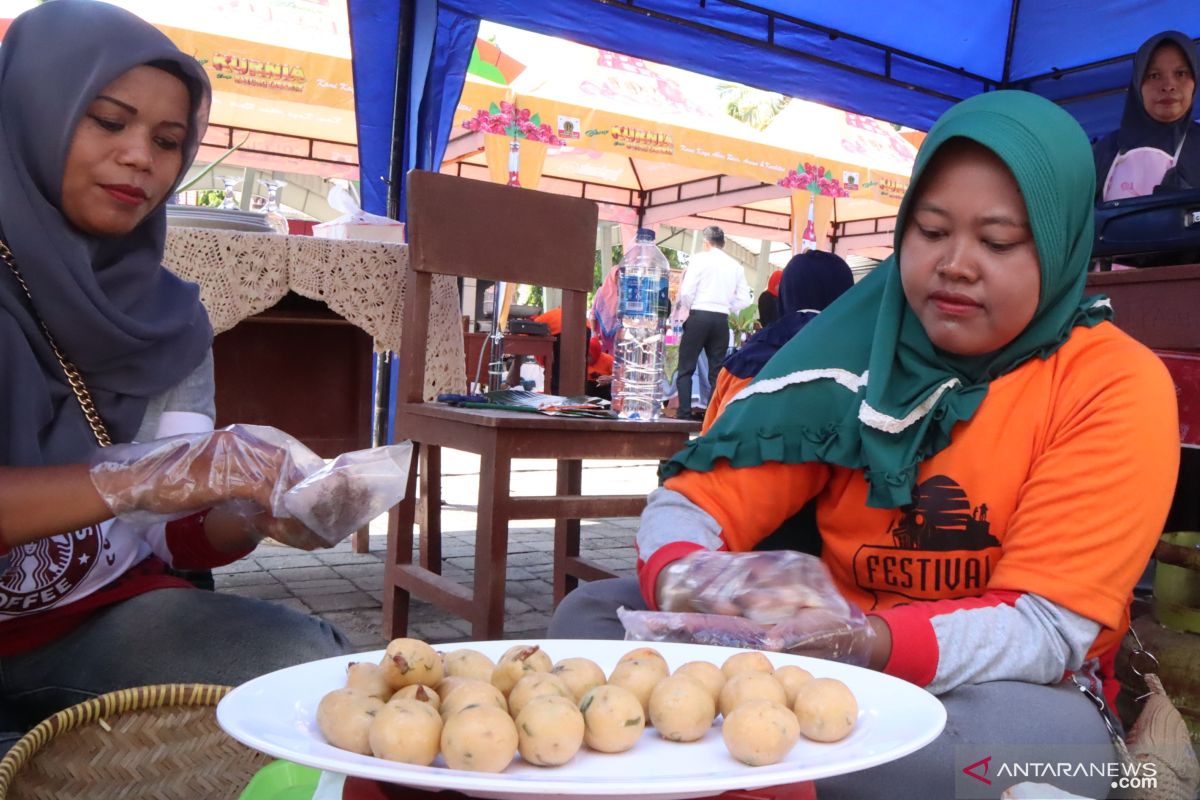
(491, 545)
(399, 553)
(362, 540)
(566, 531)
(429, 509)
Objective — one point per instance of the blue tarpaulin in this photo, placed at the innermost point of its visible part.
(904, 61)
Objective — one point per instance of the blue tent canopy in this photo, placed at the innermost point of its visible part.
(901, 60)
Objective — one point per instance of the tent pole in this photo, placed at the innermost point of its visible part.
(404, 53)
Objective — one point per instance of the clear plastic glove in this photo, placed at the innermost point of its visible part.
(349, 492)
(182, 474)
(765, 587)
(815, 632)
(281, 488)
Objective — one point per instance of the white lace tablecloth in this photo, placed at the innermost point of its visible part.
(241, 274)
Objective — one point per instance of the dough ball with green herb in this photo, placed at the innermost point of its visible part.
(681, 709)
(549, 731)
(759, 732)
(406, 730)
(468, 664)
(536, 684)
(581, 675)
(344, 717)
(746, 686)
(479, 739)
(613, 719)
(409, 661)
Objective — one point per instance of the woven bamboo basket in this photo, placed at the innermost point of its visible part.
(153, 742)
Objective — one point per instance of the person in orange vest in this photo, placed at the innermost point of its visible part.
(599, 370)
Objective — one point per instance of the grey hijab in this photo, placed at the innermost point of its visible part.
(131, 327)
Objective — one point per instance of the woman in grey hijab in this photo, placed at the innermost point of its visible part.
(100, 116)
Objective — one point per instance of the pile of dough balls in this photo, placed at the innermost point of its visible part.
(417, 703)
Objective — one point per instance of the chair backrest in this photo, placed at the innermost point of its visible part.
(469, 228)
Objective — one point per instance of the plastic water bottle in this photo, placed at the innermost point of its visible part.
(640, 348)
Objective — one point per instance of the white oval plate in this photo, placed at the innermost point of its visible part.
(276, 714)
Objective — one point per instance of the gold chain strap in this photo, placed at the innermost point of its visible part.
(99, 430)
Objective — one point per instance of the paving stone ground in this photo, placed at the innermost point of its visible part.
(345, 588)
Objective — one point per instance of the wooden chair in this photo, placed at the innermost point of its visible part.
(463, 227)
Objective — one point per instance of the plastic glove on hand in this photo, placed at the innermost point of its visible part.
(814, 632)
(195, 471)
(766, 587)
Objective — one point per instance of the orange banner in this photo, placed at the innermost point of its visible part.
(565, 124)
(276, 89)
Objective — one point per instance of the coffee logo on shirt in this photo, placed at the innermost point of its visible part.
(942, 547)
(44, 572)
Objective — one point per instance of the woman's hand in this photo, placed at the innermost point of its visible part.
(239, 525)
(769, 586)
(772, 600)
(194, 471)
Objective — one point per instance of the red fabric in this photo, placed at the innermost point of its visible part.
(301, 227)
(914, 656)
(29, 633)
(773, 282)
(190, 548)
(1108, 676)
(647, 571)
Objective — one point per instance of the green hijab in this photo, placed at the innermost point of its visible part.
(862, 386)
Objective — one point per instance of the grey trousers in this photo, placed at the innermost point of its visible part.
(981, 718)
(163, 636)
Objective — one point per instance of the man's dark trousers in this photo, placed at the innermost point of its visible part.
(707, 331)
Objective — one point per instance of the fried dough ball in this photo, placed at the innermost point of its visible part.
(472, 693)
(345, 716)
(409, 661)
(581, 675)
(790, 678)
(518, 662)
(643, 654)
(368, 678)
(759, 732)
(479, 739)
(709, 675)
(406, 730)
(549, 731)
(640, 676)
(681, 709)
(451, 682)
(750, 661)
(421, 692)
(536, 684)
(746, 686)
(468, 664)
(533, 654)
(613, 719)
(826, 709)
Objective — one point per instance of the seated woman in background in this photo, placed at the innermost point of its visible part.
(100, 117)
(1157, 147)
(991, 459)
(809, 283)
(768, 301)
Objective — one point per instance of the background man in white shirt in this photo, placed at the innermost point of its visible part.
(714, 286)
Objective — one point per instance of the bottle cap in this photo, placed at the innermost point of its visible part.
(645, 235)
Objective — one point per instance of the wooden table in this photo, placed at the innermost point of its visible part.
(513, 345)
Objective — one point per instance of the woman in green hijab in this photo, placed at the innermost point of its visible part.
(991, 461)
